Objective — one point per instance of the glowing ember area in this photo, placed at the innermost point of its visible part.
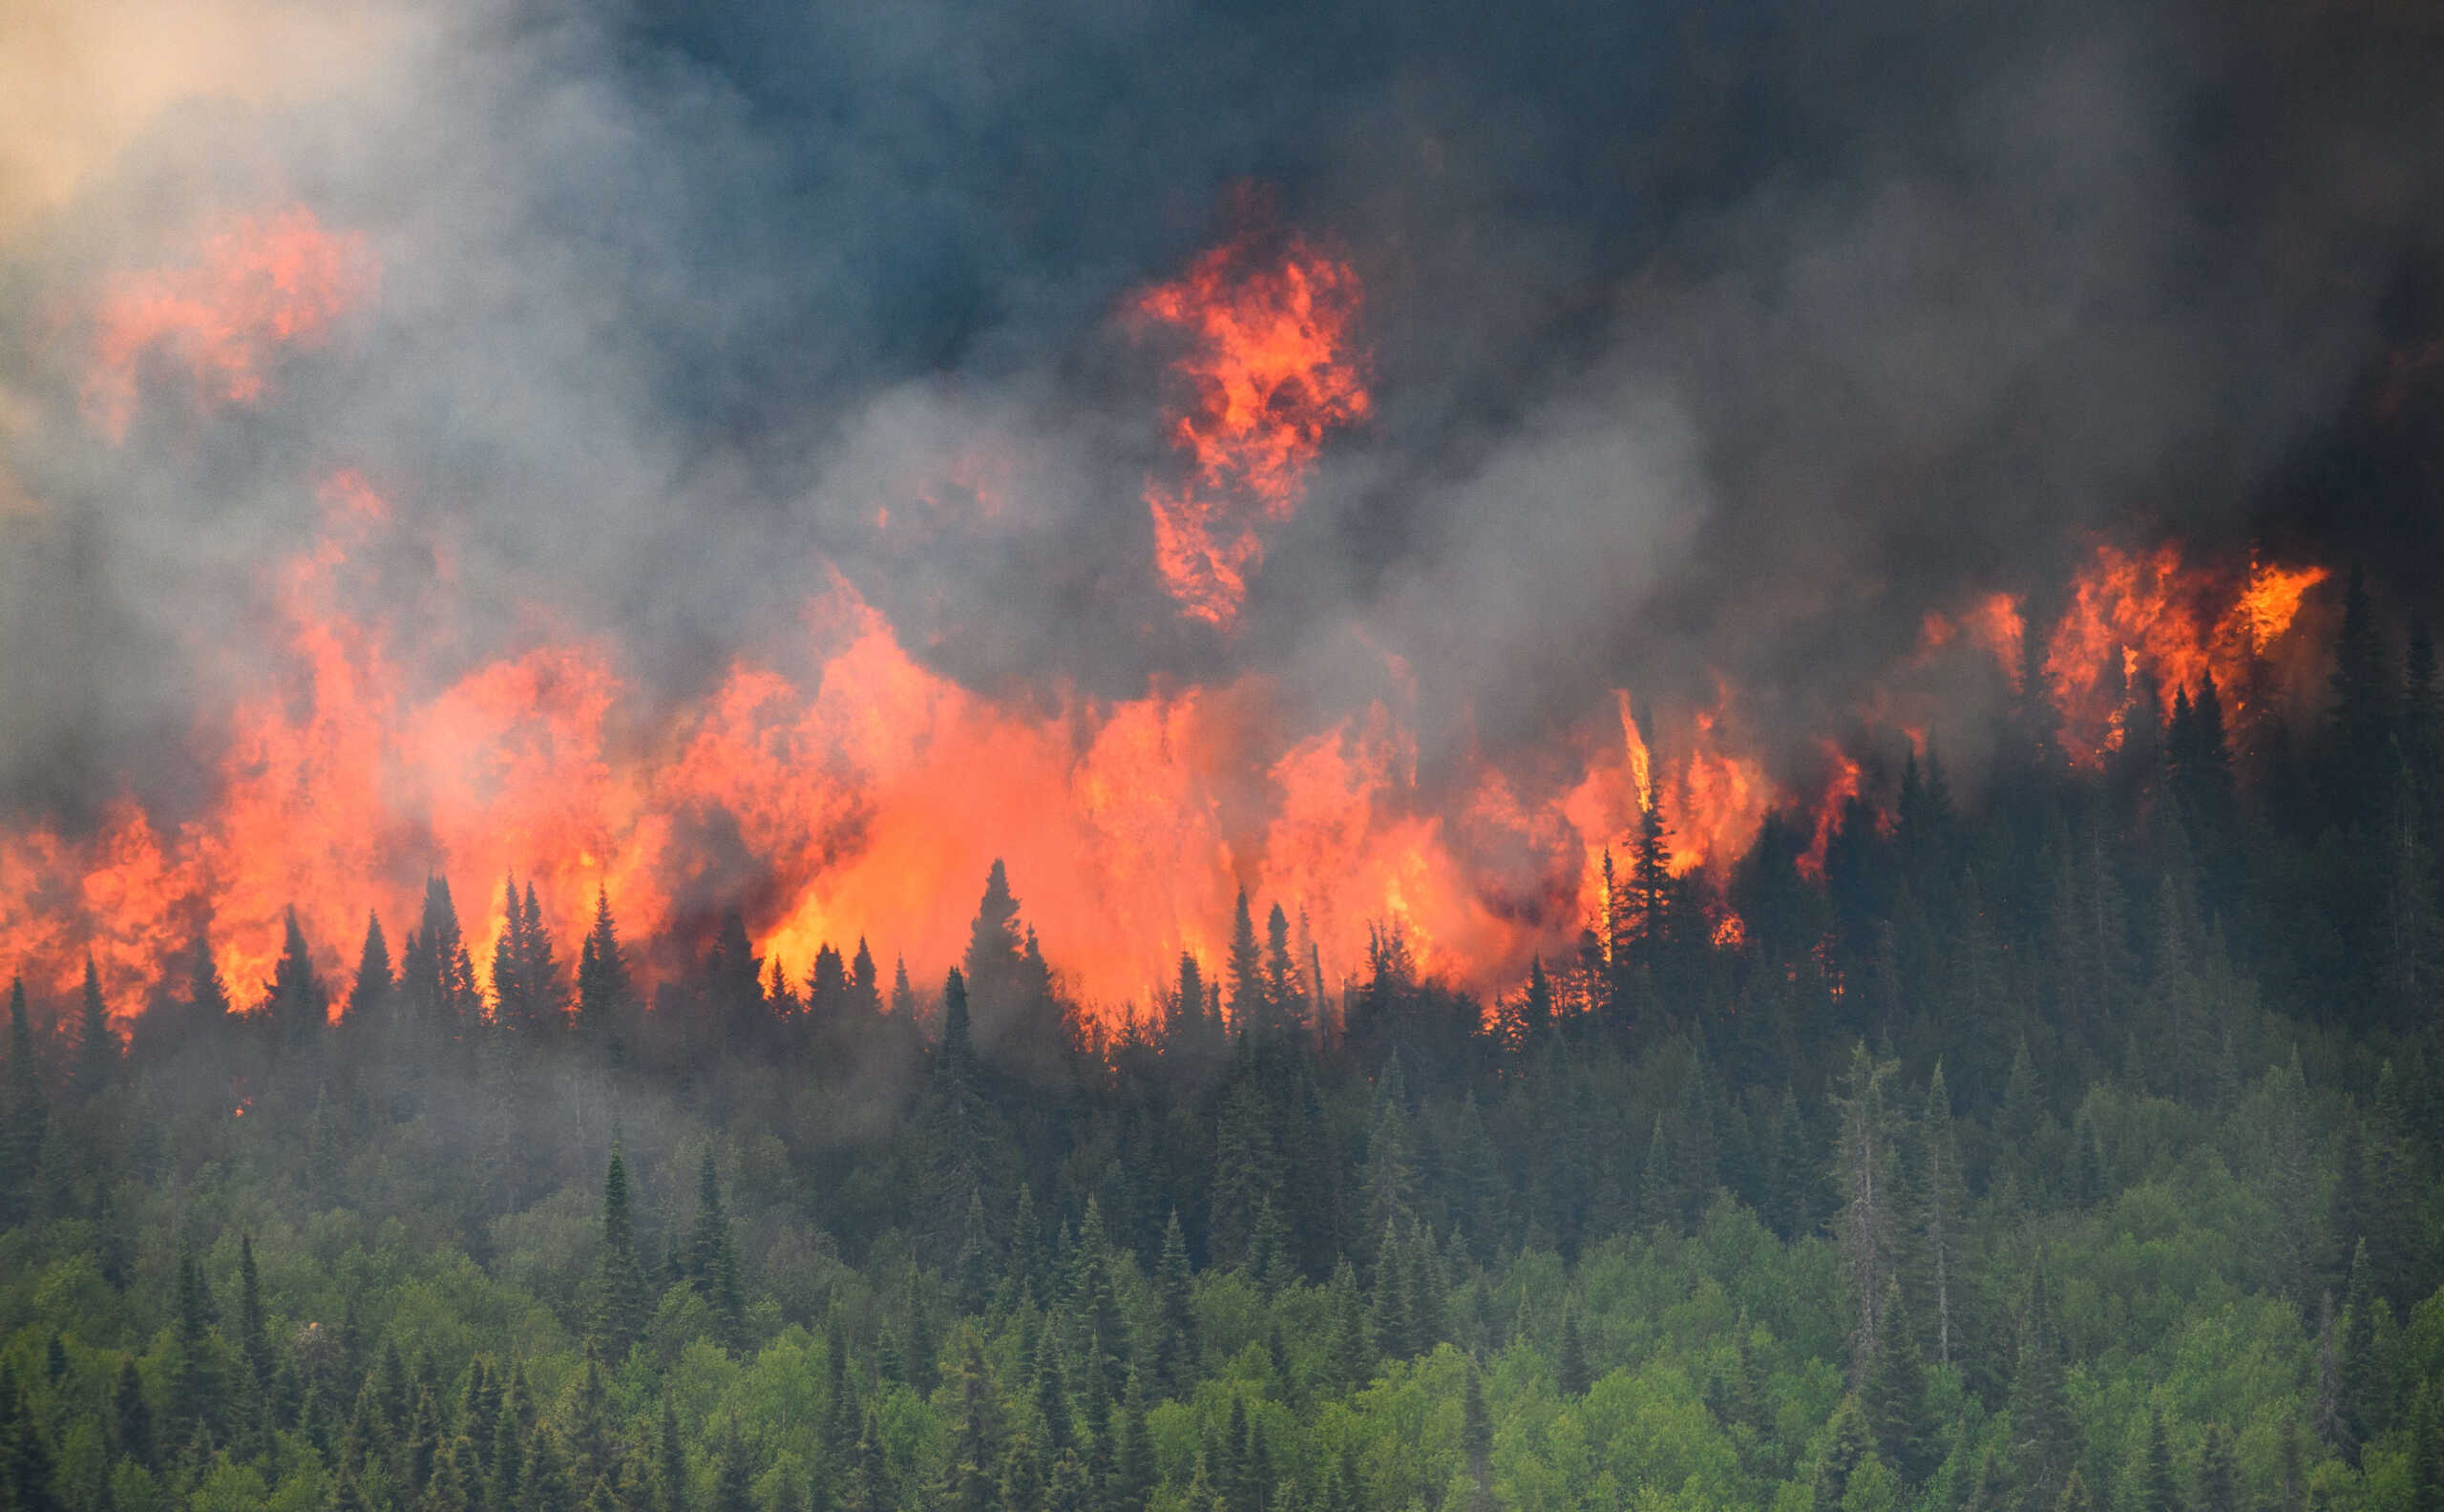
(1268, 370)
(2136, 617)
(259, 285)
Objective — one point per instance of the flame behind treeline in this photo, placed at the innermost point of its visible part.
(833, 787)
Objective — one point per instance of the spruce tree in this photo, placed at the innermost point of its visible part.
(1176, 1353)
(2219, 1488)
(602, 986)
(1893, 1398)
(1570, 1370)
(25, 1114)
(369, 999)
(2041, 1441)
(95, 1069)
(712, 1256)
(621, 1299)
(2158, 1491)
(130, 1416)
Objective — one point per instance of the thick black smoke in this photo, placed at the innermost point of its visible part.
(1706, 338)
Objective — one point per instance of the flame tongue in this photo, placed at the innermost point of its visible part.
(1269, 370)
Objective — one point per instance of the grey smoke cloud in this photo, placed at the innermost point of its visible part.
(1721, 341)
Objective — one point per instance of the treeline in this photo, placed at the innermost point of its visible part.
(2075, 1151)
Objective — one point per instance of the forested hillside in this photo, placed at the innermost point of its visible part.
(2074, 1146)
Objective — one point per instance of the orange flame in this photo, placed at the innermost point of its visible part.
(1840, 785)
(2152, 612)
(259, 285)
(1270, 371)
(866, 799)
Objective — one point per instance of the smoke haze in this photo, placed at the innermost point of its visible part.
(1708, 349)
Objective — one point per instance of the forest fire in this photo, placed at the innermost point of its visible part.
(865, 800)
(836, 787)
(2149, 620)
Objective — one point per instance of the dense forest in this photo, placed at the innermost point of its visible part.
(2073, 1147)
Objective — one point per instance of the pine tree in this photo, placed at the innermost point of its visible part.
(1175, 1352)
(95, 1069)
(1476, 1429)
(1942, 1209)
(2425, 1449)
(619, 1300)
(1245, 966)
(369, 1000)
(1651, 893)
(2041, 1442)
(25, 1114)
(733, 1477)
(254, 1335)
(2218, 1478)
(1894, 1397)
(602, 985)
(1285, 997)
(130, 1416)
(712, 1256)
(1021, 1488)
(996, 958)
(1867, 1168)
(1569, 1369)
(957, 1047)
(671, 1463)
(1133, 1457)
(2156, 1490)
(296, 1000)
(437, 977)
(194, 1387)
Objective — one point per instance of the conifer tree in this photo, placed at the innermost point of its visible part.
(25, 1114)
(732, 1475)
(296, 1002)
(2041, 1442)
(130, 1416)
(620, 1298)
(957, 1047)
(1175, 1356)
(1476, 1428)
(1651, 893)
(1866, 1168)
(254, 1335)
(370, 998)
(1246, 969)
(602, 985)
(2158, 1491)
(1570, 1370)
(1893, 1398)
(671, 1463)
(436, 975)
(95, 1069)
(712, 1256)
(1285, 999)
(2218, 1487)
(996, 955)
